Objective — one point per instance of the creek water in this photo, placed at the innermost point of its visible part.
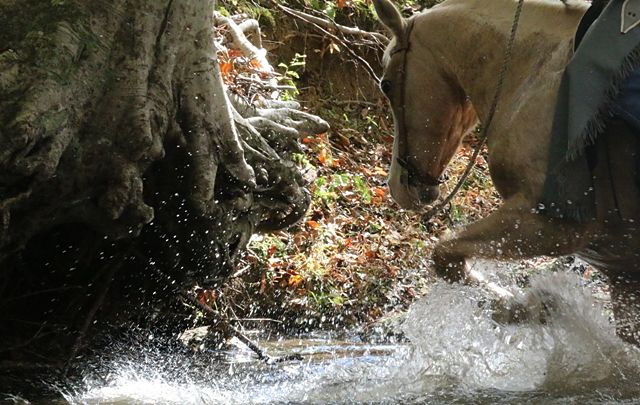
(454, 353)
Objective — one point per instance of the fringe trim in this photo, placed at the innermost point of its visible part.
(597, 124)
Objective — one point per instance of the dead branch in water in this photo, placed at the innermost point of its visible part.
(110, 270)
(223, 325)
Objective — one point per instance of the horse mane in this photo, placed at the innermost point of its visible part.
(503, 10)
(489, 12)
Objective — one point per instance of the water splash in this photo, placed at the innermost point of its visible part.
(457, 353)
(576, 348)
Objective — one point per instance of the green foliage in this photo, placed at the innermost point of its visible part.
(457, 213)
(363, 188)
(302, 161)
(350, 185)
(262, 14)
(325, 191)
(223, 10)
(291, 74)
(269, 246)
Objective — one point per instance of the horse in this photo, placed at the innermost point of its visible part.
(439, 75)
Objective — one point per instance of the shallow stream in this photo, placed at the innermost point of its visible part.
(455, 353)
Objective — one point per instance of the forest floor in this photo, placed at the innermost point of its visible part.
(356, 255)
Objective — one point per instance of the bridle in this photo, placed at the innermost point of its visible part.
(409, 174)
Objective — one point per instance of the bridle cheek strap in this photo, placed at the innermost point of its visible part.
(409, 175)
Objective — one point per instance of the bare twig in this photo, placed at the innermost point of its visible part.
(254, 320)
(224, 325)
(45, 291)
(327, 23)
(219, 322)
(342, 42)
(111, 270)
(37, 335)
(352, 102)
(264, 84)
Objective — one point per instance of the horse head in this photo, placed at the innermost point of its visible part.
(431, 110)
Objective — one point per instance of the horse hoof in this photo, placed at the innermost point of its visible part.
(450, 269)
(451, 274)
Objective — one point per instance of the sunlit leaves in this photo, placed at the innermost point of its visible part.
(355, 254)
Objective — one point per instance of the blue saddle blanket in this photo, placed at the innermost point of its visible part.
(627, 106)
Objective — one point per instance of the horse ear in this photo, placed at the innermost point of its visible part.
(389, 15)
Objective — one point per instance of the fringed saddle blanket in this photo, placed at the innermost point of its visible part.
(601, 81)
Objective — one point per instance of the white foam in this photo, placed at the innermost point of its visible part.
(454, 335)
(456, 351)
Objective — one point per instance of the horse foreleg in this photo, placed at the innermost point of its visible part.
(511, 232)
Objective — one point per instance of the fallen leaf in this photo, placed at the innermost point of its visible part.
(379, 191)
(272, 250)
(322, 156)
(226, 68)
(254, 63)
(313, 224)
(295, 280)
(207, 297)
(380, 171)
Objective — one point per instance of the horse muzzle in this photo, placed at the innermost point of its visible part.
(428, 194)
(413, 197)
(411, 189)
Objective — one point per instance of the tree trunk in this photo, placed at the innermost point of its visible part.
(126, 172)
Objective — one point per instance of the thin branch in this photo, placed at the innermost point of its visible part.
(254, 320)
(219, 322)
(359, 58)
(328, 23)
(225, 326)
(111, 270)
(264, 84)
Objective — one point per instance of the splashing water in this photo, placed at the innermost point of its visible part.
(576, 348)
(456, 353)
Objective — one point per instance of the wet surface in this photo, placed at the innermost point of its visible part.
(455, 353)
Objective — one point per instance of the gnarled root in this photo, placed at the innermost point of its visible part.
(118, 138)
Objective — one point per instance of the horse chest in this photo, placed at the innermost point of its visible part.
(512, 169)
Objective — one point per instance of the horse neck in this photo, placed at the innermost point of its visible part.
(475, 41)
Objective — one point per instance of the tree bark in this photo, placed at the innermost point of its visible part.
(126, 172)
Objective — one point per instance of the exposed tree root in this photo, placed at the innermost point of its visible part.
(117, 132)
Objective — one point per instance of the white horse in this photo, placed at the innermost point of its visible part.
(440, 75)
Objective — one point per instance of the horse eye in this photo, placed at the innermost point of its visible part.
(385, 86)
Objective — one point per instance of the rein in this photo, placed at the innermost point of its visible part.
(410, 175)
